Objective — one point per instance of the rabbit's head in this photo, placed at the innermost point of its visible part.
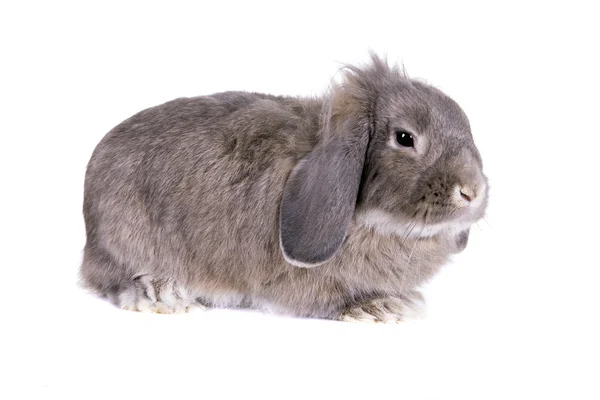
(395, 154)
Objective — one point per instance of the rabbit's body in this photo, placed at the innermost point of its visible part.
(182, 207)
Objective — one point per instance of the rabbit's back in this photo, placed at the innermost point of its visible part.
(190, 189)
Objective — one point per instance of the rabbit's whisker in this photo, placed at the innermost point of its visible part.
(486, 221)
(420, 233)
(412, 224)
(413, 247)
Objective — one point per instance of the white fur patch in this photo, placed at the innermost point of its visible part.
(224, 299)
(386, 224)
(386, 310)
(146, 295)
(358, 317)
(415, 309)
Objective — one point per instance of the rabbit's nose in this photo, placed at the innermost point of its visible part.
(465, 195)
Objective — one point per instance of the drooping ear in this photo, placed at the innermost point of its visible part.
(318, 202)
(321, 193)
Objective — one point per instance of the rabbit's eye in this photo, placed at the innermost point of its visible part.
(404, 139)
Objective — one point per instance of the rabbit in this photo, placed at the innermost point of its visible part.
(335, 207)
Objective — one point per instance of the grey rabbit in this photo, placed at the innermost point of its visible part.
(336, 207)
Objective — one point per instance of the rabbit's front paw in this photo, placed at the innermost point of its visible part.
(385, 310)
(146, 294)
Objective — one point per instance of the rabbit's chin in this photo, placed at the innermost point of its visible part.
(387, 224)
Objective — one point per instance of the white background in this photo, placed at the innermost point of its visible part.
(513, 317)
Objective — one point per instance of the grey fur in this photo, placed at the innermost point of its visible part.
(188, 196)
